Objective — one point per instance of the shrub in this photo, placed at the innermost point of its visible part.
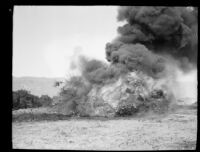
(23, 99)
(126, 110)
(45, 100)
(56, 100)
(75, 87)
(158, 101)
(74, 93)
(128, 106)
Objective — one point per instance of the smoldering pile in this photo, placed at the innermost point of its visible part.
(138, 78)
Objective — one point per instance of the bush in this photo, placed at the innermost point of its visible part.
(75, 87)
(74, 93)
(56, 100)
(23, 99)
(158, 102)
(45, 100)
(126, 110)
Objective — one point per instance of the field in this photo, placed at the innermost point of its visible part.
(174, 131)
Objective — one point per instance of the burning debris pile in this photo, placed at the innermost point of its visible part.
(154, 42)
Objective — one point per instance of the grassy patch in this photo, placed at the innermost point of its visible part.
(39, 117)
(185, 145)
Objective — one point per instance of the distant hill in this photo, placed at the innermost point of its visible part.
(37, 85)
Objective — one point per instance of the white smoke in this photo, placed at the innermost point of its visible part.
(186, 86)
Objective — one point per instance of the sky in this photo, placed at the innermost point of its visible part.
(47, 38)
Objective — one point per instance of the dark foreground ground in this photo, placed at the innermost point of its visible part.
(176, 130)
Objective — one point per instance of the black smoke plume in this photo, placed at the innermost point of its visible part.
(148, 31)
(98, 72)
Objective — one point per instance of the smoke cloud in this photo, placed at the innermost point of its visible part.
(151, 59)
(161, 42)
(136, 57)
(162, 30)
(98, 72)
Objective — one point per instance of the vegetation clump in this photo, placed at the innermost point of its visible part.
(155, 102)
(23, 99)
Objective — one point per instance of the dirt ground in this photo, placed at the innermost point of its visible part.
(175, 131)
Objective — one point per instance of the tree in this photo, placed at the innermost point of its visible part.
(24, 99)
(45, 100)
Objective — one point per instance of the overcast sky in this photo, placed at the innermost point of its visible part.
(45, 38)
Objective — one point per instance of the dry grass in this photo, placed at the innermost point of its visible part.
(175, 131)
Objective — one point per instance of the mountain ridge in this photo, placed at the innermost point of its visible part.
(37, 85)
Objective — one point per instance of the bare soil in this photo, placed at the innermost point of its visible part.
(175, 131)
